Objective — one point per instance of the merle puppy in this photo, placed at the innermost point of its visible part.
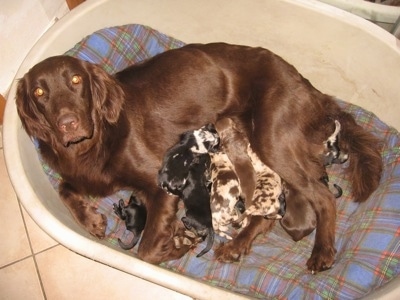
(269, 196)
(134, 214)
(226, 191)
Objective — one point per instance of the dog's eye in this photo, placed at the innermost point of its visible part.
(38, 92)
(76, 79)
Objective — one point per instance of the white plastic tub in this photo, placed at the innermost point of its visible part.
(385, 16)
(340, 53)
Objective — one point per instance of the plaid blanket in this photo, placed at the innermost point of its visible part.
(367, 234)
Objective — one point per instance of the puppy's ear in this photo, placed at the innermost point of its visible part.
(107, 94)
(32, 119)
(210, 127)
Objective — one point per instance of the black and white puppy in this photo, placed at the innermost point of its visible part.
(325, 180)
(332, 153)
(134, 214)
(178, 159)
(196, 197)
(185, 173)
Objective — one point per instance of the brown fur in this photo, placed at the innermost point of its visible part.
(234, 143)
(103, 133)
(259, 185)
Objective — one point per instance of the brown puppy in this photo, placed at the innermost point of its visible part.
(103, 133)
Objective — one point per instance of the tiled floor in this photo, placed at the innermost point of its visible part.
(34, 266)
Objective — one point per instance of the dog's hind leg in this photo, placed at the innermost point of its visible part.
(324, 205)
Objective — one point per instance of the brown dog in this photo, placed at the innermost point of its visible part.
(103, 133)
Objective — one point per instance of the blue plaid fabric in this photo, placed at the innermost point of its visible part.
(367, 234)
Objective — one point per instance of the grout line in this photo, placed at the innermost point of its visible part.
(15, 262)
(33, 253)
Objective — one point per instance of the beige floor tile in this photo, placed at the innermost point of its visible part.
(66, 275)
(20, 281)
(14, 245)
(40, 240)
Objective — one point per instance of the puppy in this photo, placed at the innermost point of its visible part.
(134, 214)
(184, 173)
(232, 175)
(226, 194)
(339, 191)
(178, 159)
(196, 197)
(332, 153)
(269, 197)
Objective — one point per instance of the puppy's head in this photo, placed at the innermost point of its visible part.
(174, 171)
(207, 139)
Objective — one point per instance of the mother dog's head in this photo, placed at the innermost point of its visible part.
(62, 100)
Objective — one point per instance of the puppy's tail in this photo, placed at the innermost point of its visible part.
(365, 165)
(132, 244)
(210, 242)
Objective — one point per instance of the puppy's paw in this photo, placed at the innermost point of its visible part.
(119, 209)
(321, 259)
(186, 238)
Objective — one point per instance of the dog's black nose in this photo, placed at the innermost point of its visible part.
(68, 123)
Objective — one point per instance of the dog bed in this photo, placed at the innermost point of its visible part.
(367, 234)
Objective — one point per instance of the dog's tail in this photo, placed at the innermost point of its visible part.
(365, 165)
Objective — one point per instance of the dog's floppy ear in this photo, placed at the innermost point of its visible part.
(107, 94)
(32, 119)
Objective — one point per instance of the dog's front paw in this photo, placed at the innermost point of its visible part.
(96, 225)
(321, 259)
(228, 252)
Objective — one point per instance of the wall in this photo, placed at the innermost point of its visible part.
(22, 22)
